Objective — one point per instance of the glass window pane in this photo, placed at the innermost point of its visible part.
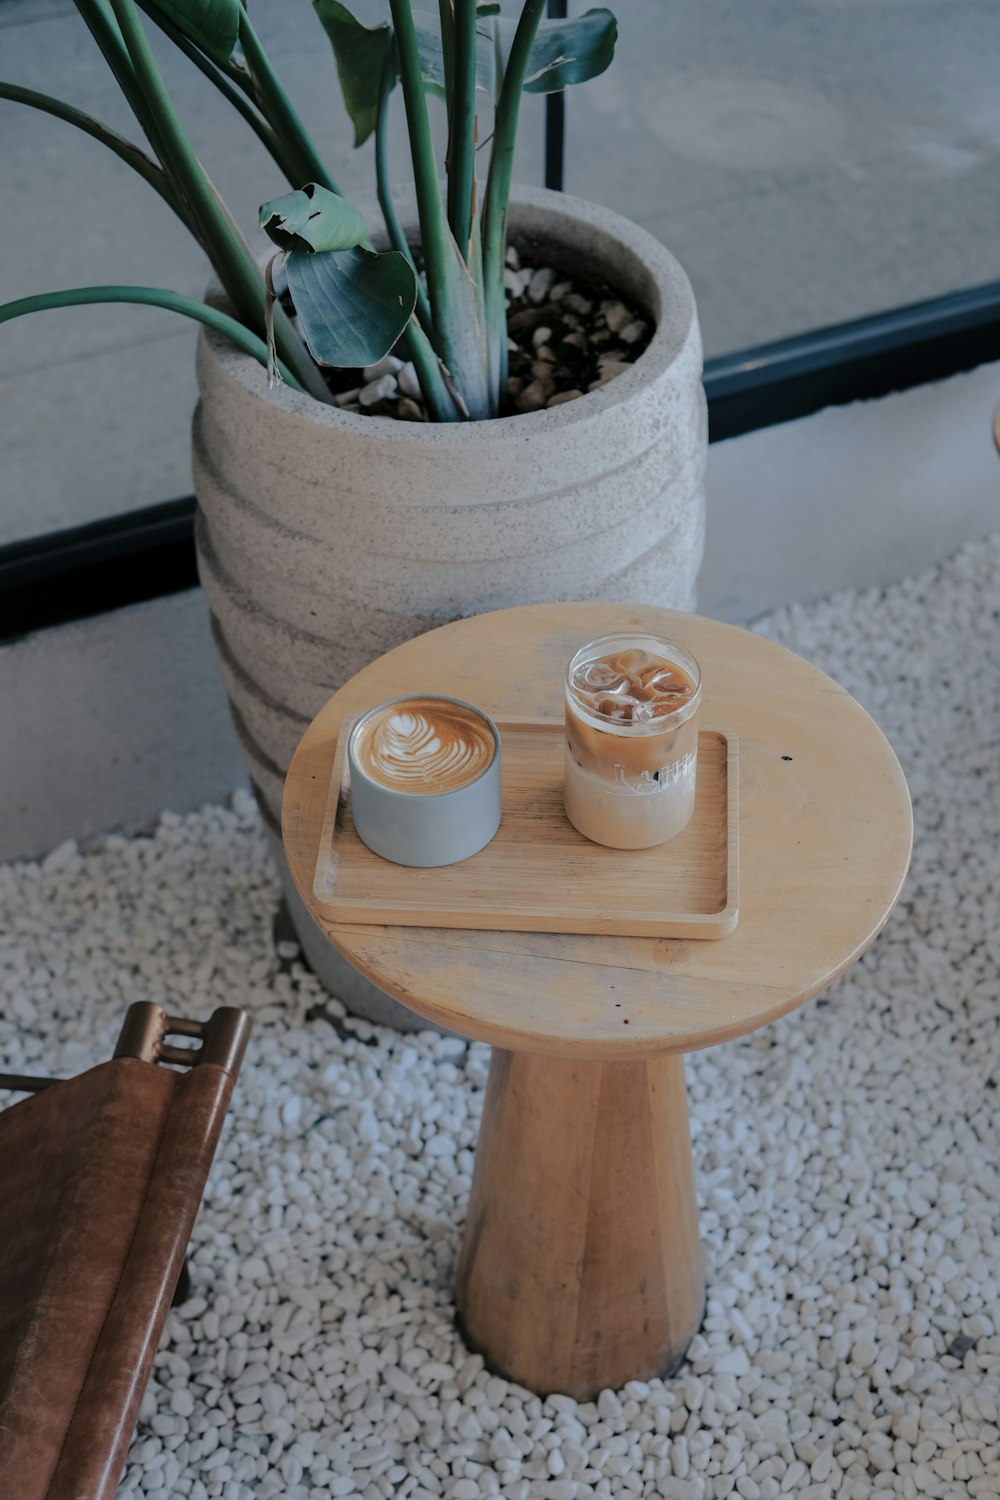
(808, 161)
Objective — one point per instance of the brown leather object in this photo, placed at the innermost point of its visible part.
(100, 1181)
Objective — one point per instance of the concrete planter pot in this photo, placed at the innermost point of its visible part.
(325, 538)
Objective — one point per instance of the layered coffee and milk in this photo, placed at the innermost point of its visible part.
(631, 740)
(423, 746)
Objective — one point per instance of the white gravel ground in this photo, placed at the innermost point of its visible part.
(847, 1165)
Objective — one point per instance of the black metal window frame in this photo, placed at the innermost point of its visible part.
(145, 554)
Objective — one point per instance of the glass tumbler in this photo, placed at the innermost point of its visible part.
(631, 739)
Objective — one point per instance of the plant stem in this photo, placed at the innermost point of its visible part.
(416, 341)
(434, 231)
(393, 227)
(446, 12)
(462, 126)
(149, 296)
(126, 150)
(476, 269)
(268, 137)
(497, 194)
(279, 110)
(230, 254)
(103, 27)
(419, 351)
(236, 266)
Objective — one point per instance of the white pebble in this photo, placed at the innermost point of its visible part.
(540, 284)
(406, 379)
(609, 1407)
(383, 388)
(672, 1488)
(388, 365)
(632, 333)
(616, 315)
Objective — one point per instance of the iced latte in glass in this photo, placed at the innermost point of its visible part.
(631, 740)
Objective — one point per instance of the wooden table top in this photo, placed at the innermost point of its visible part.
(825, 840)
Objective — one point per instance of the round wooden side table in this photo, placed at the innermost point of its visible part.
(581, 1265)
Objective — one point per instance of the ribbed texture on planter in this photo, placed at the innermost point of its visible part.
(326, 538)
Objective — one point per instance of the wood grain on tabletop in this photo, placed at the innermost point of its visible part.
(825, 839)
(538, 874)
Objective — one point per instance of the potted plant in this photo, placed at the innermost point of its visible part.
(498, 403)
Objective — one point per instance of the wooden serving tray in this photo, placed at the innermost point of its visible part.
(539, 874)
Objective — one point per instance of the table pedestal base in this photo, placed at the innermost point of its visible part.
(581, 1265)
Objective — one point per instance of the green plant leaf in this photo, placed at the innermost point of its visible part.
(568, 52)
(312, 219)
(213, 25)
(431, 51)
(359, 52)
(564, 52)
(352, 304)
(463, 338)
(428, 29)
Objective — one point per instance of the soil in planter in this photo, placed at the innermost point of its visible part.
(566, 336)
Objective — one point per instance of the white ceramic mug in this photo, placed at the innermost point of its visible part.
(425, 779)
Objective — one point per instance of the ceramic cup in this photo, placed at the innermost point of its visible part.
(425, 779)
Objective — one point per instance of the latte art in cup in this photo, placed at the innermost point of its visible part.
(425, 779)
(423, 746)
